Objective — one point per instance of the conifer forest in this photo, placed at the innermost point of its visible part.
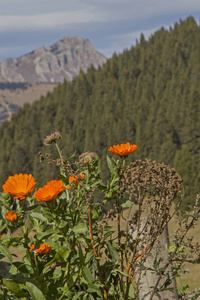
(148, 95)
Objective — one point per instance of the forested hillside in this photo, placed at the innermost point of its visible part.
(149, 95)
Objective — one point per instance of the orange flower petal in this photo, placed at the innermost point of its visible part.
(49, 191)
(123, 149)
(19, 185)
(71, 179)
(44, 248)
(32, 247)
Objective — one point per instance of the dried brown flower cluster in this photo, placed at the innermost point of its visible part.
(152, 187)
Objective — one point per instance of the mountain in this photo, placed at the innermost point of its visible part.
(148, 95)
(53, 64)
(27, 78)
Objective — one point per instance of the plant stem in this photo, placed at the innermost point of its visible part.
(119, 244)
(133, 255)
(61, 157)
(3, 227)
(173, 254)
(118, 209)
(37, 271)
(59, 152)
(128, 282)
(94, 250)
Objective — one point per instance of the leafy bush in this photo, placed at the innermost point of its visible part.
(73, 251)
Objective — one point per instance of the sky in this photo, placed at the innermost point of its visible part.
(110, 25)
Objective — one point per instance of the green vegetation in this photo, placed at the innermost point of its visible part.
(71, 249)
(149, 95)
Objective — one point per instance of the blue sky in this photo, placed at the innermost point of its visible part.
(111, 25)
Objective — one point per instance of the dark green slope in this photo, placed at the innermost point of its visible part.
(149, 95)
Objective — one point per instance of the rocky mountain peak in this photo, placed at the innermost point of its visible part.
(52, 64)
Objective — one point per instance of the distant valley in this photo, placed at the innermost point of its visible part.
(11, 100)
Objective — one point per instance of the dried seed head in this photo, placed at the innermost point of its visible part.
(52, 138)
(87, 157)
(152, 187)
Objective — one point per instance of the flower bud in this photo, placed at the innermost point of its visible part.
(11, 216)
(82, 176)
(87, 157)
(52, 138)
(5, 196)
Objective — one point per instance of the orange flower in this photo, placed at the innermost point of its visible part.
(49, 191)
(69, 186)
(71, 179)
(123, 150)
(11, 216)
(2, 236)
(32, 247)
(82, 176)
(19, 185)
(44, 248)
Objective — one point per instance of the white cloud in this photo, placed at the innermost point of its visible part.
(88, 11)
(44, 21)
(108, 23)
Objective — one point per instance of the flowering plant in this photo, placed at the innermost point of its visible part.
(71, 249)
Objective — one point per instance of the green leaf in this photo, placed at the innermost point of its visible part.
(99, 167)
(81, 256)
(102, 187)
(4, 250)
(107, 234)
(60, 256)
(46, 234)
(94, 288)
(115, 271)
(110, 164)
(113, 251)
(30, 207)
(39, 216)
(87, 275)
(78, 296)
(85, 297)
(80, 228)
(89, 256)
(115, 178)
(15, 288)
(107, 227)
(63, 196)
(34, 291)
(132, 292)
(127, 204)
(71, 157)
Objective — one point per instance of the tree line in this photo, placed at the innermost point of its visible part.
(148, 95)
